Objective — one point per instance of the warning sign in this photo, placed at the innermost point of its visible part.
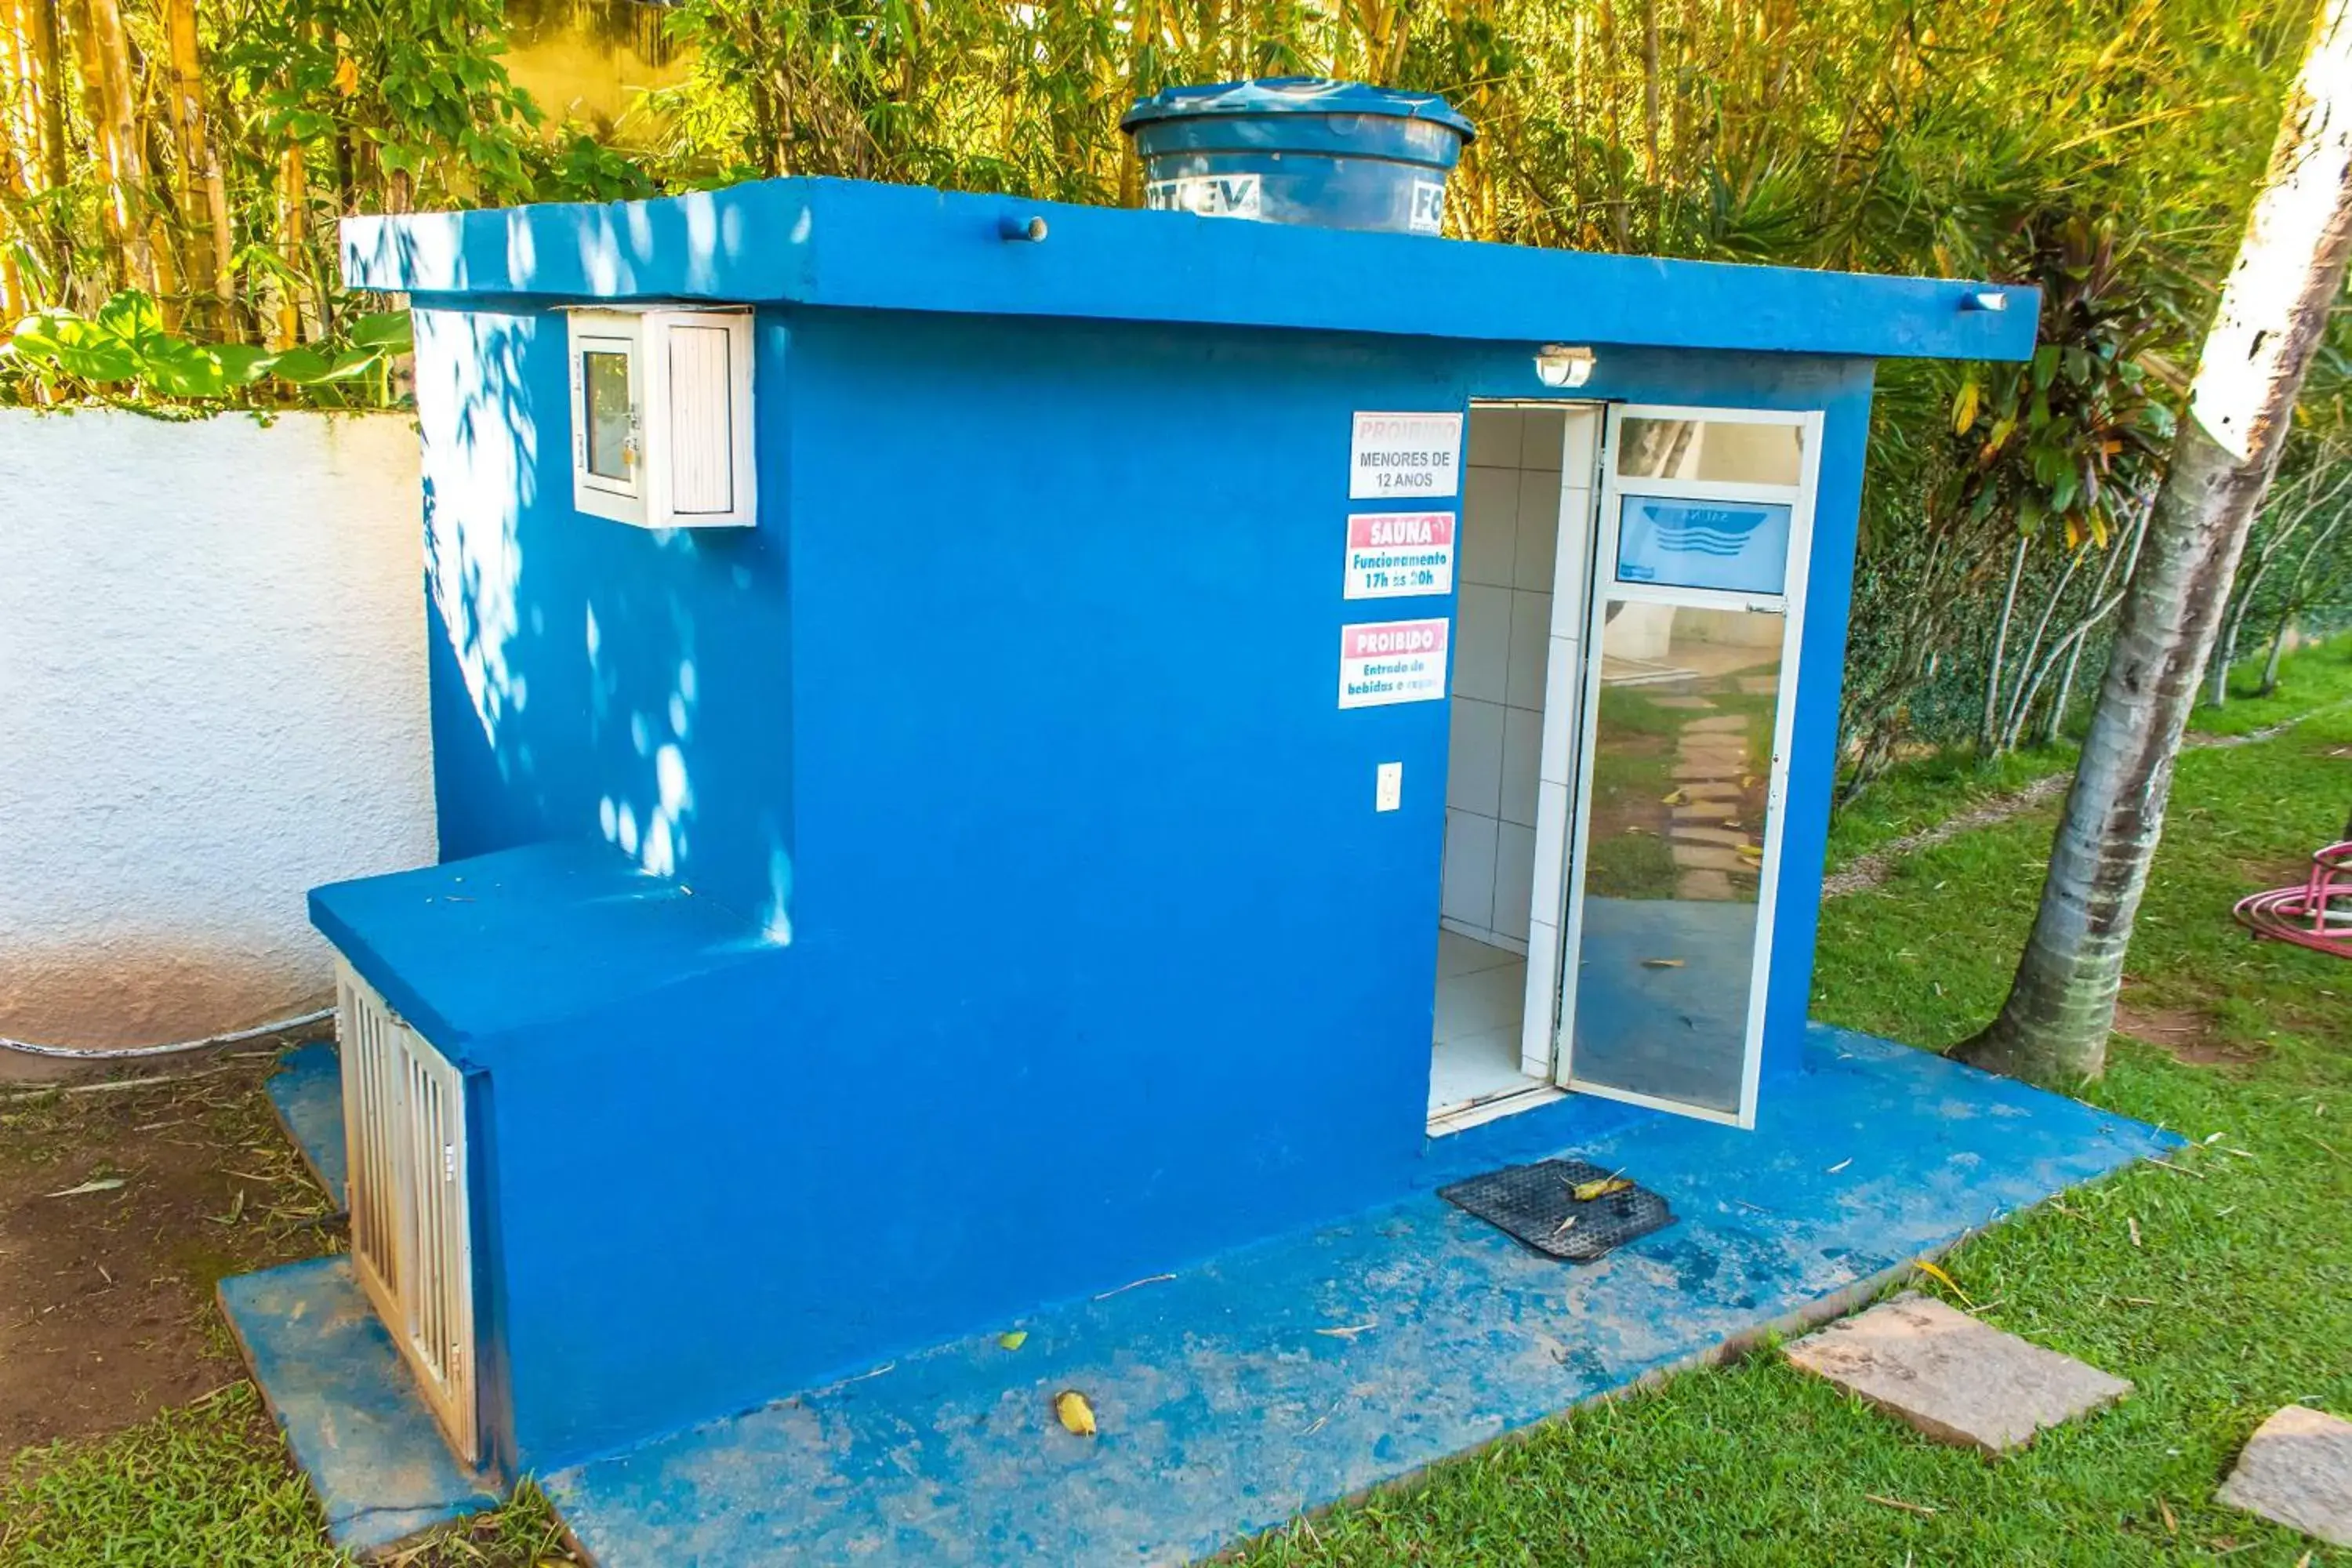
(1406, 457)
(1391, 661)
(1392, 554)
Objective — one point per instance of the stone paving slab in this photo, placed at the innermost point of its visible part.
(2296, 1471)
(1954, 1378)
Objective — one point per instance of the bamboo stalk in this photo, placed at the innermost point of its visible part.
(293, 233)
(105, 59)
(203, 197)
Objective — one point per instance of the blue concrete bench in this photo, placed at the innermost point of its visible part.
(475, 951)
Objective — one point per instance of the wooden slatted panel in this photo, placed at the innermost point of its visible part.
(701, 421)
(404, 1118)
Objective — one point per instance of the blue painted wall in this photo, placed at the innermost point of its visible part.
(1072, 947)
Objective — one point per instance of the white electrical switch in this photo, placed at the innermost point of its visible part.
(1388, 793)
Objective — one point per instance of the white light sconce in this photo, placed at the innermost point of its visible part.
(1558, 364)
(1984, 299)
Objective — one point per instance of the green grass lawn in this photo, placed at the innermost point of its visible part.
(2234, 1298)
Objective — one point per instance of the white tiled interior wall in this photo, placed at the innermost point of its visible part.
(1562, 722)
(1503, 633)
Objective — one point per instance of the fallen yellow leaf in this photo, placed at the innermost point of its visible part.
(1014, 1340)
(1585, 1191)
(1078, 1416)
(1935, 1273)
(1673, 798)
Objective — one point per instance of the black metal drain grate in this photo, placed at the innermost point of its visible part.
(1537, 1203)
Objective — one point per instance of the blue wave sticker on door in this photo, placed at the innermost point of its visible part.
(1738, 546)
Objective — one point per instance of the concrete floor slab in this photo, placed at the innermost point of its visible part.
(348, 1408)
(307, 1092)
(1958, 1380)
(2296, 1471)
(1307, 1368)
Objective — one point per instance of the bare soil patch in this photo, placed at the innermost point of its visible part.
(2187, 1035)
(107, 1312)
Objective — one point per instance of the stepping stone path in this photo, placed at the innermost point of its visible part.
(2296, 1471)
(1710, 761)
(1954, 1378)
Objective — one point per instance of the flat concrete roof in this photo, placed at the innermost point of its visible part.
(851, 244)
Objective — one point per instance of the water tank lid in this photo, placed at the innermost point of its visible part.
(1294, 95)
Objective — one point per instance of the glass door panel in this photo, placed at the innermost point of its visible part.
(1682, 765)
(1698, 566)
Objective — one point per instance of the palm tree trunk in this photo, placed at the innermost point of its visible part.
(2053, 1027)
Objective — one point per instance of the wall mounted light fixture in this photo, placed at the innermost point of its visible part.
(1560, 364)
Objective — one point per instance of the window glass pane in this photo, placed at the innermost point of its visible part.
(1734, 453)
(606, 377)
(1674, 852)
(1741, 546)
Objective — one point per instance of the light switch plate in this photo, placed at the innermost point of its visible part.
(1388, 793)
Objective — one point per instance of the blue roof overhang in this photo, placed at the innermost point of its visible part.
(851, 244)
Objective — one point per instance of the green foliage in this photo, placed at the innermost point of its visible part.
(2102, 149)
(124, 356)
(2076, 434)
(410, 91)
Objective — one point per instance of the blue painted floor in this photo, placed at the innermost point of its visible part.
(1676, 1033)
(308, 1093)
(1308, 1368)
(349, 1408)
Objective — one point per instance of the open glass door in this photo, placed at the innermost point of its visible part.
(1698, 596)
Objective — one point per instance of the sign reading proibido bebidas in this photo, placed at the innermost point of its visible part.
(1391, 661)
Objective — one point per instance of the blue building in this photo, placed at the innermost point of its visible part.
(986, 750)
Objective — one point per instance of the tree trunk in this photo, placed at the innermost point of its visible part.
(2278, 652)
(2053, 1027)
(2102, 606)
(1988, 730)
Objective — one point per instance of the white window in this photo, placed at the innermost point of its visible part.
(661, 416)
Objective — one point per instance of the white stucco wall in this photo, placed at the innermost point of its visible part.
(211, 698)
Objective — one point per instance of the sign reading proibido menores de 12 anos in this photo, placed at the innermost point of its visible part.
(1406, 457)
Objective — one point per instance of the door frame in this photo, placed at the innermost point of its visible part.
(1576, 508)
(1601, 586)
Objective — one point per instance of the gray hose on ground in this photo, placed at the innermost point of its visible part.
(130, 1053)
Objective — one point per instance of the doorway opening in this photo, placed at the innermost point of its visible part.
(1523, 571)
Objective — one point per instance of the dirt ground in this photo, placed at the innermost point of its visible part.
(2189, 1035)
(106, 1294)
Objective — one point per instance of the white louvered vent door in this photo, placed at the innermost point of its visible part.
(702, 422)
(404, 1131)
